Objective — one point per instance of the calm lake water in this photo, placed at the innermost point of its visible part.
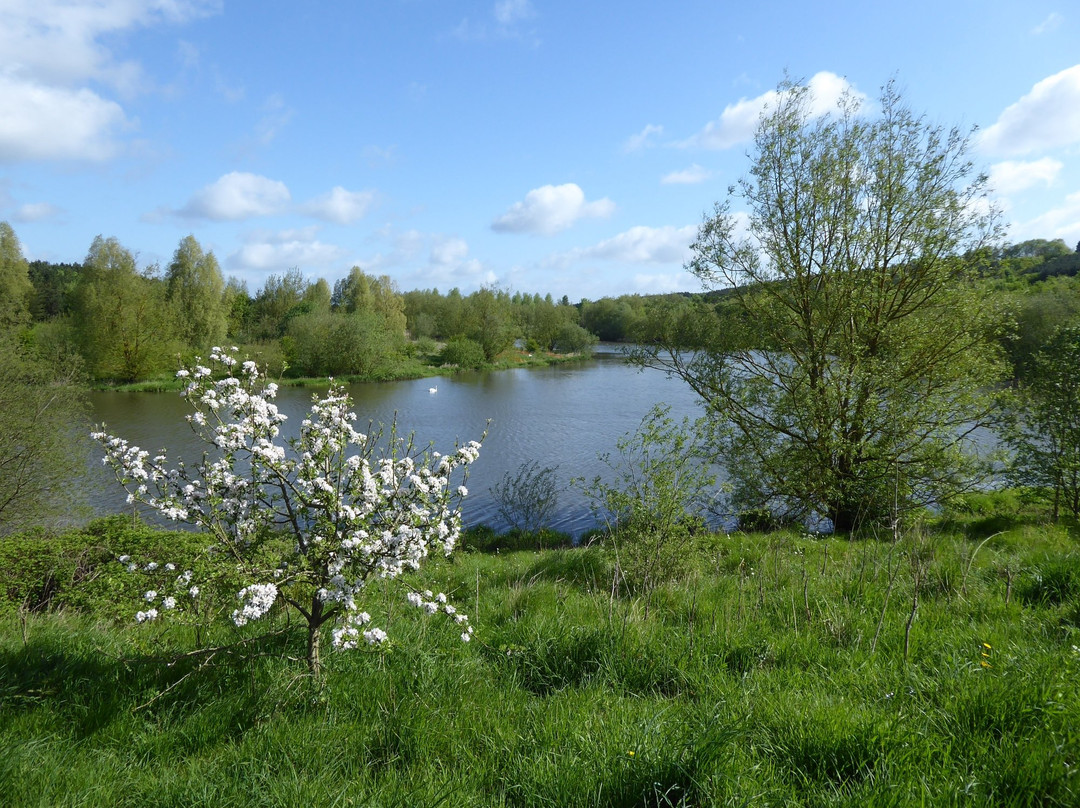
(562, 416)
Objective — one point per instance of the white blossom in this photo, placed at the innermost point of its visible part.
(353, 514)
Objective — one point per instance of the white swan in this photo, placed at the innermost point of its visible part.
(433, 390)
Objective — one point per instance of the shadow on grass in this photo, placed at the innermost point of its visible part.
(88, 688)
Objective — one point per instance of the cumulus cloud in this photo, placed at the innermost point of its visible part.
(644, 245)
(449, 251)
(643, 139)
(285, 249)
(36, 212)
(38, 122)
(1062, 221)
(1047, 117)
(50, 50)
(738, 121)
(340, 206)
(423, 260)
(238, 195)
(1013, 176)
(688, 176)
(551, 209)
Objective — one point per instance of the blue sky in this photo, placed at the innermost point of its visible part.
(540, 145)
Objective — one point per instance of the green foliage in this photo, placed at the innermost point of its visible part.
(662, 482)
(873, 354)
(463, 352)
(42, 415)
(322, 343)
(15, 287)
(78, 569)
(121, 320)
(528, 498)
(1045, 428)
(488, 321)
(572, 338)
(196, 290)
(279, 296)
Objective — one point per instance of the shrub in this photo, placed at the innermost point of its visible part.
(463, 352)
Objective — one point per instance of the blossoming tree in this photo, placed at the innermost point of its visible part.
(347, 516)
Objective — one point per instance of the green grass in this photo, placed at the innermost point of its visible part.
(755, 681)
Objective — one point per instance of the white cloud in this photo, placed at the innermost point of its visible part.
(1053, 20)
(1013, 176)
(643, 138)
(662, 283)
(688, 176)
(36, 212)
(508, 12)
(638, 245)
(1045, 118)
(50, 50)
(38, 122)
(276, 114)
(449, 251)
(1060, 222)
(285, 249)
(551, 209)
(507, 23)
(340, 206)
(58, 41)
(238, 195)
(738, 121)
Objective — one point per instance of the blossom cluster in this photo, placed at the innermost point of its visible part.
(350, 514)
(433, 604)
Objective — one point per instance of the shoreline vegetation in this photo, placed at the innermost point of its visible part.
(936, 666)
(416, 369)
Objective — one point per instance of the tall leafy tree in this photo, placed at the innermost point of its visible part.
(121, 319)
(41, 406)
(489, 320)
(196, 289)
(872, 355)
(279, 295)
(1045, 435)
(15, 286)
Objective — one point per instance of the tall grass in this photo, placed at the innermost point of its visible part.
(774, 674)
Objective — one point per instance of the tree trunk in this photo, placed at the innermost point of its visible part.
(314, 624)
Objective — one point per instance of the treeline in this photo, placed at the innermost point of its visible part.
(129, 323)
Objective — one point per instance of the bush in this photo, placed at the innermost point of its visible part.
(527, 499)
(78, 569)
(463, 352)
(663, 481)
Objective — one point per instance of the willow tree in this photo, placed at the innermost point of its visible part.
(869, 358)
(196, 289)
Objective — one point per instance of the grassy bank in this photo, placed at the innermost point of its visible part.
(784, 670)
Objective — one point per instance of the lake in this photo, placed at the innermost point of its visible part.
(562, 416)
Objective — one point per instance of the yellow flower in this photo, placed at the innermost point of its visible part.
(985, 664)
(986, 645)
(630, 753)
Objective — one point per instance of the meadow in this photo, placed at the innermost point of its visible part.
(935, 667)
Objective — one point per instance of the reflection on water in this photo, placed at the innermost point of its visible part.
(562, 416)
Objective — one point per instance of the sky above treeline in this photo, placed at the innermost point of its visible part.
(544, 146)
